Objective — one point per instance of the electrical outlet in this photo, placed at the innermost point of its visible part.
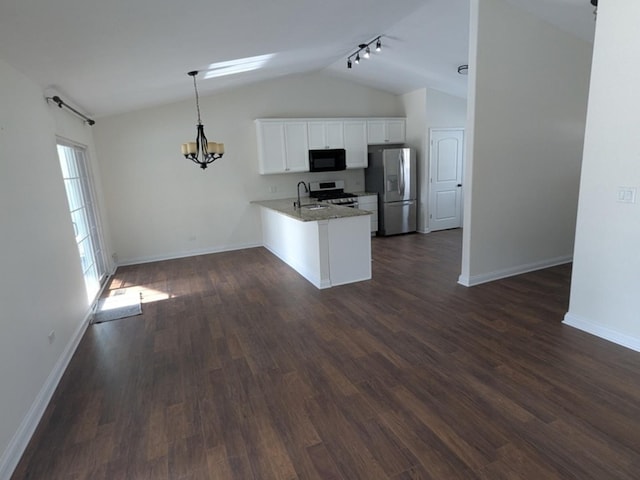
(51, 336)
(627, 194)
(273, 189)
(192, 238)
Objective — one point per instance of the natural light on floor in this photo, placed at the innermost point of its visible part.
(146, 295)
(120, 299)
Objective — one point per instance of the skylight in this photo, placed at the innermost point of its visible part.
(233, 67)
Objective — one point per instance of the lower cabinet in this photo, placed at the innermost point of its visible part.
(328, 252)
(370, 203)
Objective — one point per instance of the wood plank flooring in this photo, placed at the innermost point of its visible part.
(238, 368)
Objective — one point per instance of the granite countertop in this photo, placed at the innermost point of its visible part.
(285, 206)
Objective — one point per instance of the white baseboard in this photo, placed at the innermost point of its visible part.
(11, 456)
(470, 281)
(307, 274)
(614, 336)
(189, 253)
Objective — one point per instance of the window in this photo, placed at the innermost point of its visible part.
(79, 187)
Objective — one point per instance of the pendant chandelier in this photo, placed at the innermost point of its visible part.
(201, 151)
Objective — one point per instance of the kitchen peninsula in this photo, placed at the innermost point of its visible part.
(329, 245)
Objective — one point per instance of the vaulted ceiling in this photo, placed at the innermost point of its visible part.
(114, 56)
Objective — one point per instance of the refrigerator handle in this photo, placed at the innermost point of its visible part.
(401, 182)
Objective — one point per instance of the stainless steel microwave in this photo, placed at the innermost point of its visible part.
(329, 160)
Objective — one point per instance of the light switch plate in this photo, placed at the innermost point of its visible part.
(627, 194)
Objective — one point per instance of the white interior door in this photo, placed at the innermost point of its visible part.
(445, 178)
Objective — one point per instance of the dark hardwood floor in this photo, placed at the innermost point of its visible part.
(238, 368)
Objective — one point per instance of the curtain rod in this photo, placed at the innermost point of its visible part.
(61, 104)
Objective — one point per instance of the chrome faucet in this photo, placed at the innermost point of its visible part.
(298, 204)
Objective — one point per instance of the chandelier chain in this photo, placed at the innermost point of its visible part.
(195, 87)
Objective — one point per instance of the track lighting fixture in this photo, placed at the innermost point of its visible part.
(364, 47)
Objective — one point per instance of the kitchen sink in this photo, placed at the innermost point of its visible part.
(315, 206)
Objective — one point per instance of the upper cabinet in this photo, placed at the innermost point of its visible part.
(385, 130)
(325, 134)
(282, 146)
(355, 143)
(284, 143)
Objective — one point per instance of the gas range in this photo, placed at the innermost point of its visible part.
(332, 192)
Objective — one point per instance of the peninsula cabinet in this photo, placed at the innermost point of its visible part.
(282, 146)
(385, 130)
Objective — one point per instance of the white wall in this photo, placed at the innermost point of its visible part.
(160, 205)
(443, 111)
(528, 88)
(415, 107)
(605, 297)
(428, 108)
(41, 286)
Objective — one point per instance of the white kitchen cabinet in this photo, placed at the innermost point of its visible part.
(355, 143)
(385, 130)
(325, 134)
(327, 252)
(370, 203)
(296, 148)
(282, 146)
(284, 143)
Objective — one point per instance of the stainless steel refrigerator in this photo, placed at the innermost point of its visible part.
(392, 175)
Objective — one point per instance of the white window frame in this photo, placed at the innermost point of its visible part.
(84, 213)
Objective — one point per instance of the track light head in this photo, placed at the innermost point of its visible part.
(365, 48)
